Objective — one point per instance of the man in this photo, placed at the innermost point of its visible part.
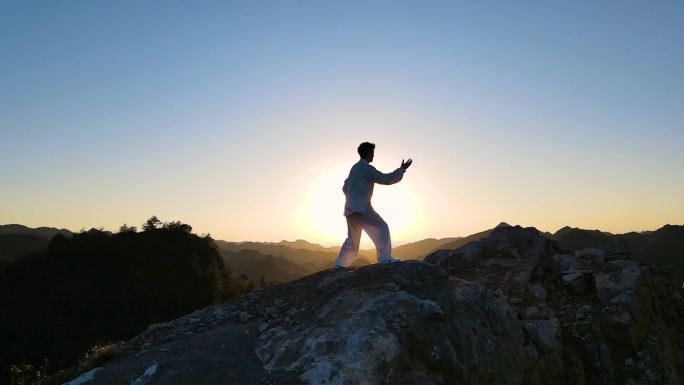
(358, 190)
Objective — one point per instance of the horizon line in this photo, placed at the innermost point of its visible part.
(332, 244)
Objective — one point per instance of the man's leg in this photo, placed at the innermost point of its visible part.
(378, 231)
(350, 247)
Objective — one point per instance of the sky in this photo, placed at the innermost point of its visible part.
(242, 118)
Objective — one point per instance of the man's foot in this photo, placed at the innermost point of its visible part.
(389, 260)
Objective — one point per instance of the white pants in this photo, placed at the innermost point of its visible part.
(377, 230)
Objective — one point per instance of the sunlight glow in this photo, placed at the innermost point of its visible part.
(322, 209)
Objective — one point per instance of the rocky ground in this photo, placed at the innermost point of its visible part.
(511, 308)
(594, 316)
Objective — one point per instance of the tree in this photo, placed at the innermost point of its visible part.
(128, 229)
(177, 226)
(151, 223)
(121, 282)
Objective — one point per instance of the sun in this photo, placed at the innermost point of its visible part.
(321, 213)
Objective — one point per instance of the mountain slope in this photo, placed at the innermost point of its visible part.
(508, 309)
(17, 240)
(306, 245)
(255, 265)
(46, 232)
(15, 245)
(418, 250)
(313, 257)
(458, 242)
(95, 287)
(574, 238)
(322, 257)
(664, 246)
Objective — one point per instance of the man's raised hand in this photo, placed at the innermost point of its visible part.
(406, 164)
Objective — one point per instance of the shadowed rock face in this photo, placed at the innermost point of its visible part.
(509, 309)
(599, 318)
(504, 242)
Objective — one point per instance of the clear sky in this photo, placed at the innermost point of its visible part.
(242, 118)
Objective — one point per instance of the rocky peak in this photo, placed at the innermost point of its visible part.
(608, 315)
(504, 242)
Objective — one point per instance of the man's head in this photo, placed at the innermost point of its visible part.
(366, 151)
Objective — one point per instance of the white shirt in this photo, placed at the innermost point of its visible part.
(358, 187)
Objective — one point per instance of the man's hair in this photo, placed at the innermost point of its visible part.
(365, 148)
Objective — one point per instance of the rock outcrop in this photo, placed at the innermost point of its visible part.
(512, 308)
(593, 316)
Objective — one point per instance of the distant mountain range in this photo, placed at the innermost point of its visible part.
(286, 260)
(664, 246)
(17, 240)
(254, 265)
(47, 232)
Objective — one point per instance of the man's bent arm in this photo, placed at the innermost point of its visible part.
(390, 178)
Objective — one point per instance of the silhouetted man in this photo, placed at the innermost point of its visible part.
(358, 190)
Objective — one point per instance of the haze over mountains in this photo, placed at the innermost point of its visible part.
(664, 246)
(286, 260)
(283, 261)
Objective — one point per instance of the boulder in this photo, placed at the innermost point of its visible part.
(577, 281)
(620, 286)
(536, 293)
(544, 334)
(592, 252)
(564, 261)
(468, 335)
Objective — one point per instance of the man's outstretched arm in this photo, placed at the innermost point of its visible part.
(392, 177)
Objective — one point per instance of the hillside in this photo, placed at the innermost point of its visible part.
(510, 308)
(459, 242)
(13, 246)
(660, 247)
(664, 246)
(245, 257)
(17, 240)
(574, 238)
(320, 257)
(116, 278)
(418, 250)
(45, 232)
(95, 287)
(255, 265)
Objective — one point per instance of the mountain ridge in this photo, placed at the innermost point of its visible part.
(510, 308)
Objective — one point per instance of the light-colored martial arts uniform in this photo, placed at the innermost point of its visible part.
(358, 190)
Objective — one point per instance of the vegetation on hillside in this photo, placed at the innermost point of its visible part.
(96, 287)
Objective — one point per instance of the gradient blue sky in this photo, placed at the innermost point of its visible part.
(242, 118)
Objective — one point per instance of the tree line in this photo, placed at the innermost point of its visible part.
(98, 287)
